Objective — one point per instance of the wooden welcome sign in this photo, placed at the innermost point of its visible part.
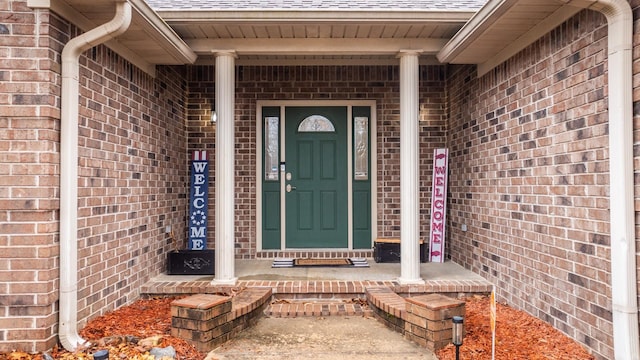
(199, 201)
(438, 205)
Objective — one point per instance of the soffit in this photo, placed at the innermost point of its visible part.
(148, 41)
(316, 36)
(501, 29)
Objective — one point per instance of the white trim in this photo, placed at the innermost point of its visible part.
(335, 16)
(373, 147)
(144, 19)
(259, 139)
(311, 103)
(350, 177)
(283, 104)
(474, 28)
(70, 14)
(283, 174)
(320, 60)
(315, 46)
(550, 22)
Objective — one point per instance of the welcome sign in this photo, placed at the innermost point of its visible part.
(438, 205)
(199, 201)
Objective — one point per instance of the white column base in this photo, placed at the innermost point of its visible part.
(418, 281)
(231, 282)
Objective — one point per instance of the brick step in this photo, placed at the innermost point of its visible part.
(285, 308)
(208, 320)
(424, 319)
(327, 297)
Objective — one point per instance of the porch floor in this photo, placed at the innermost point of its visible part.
(324, 282)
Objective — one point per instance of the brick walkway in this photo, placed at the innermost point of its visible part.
(322, 298)
(317, 287)
(299, 308)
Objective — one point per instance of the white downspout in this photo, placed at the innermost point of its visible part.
(624, 286)
(68, 331)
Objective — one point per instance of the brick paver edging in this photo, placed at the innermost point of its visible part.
(424, 319)
(454, 287)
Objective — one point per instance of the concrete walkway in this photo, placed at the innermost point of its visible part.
(260, 269)
(320, 338)
(317, 337)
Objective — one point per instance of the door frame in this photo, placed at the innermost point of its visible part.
(373, 173)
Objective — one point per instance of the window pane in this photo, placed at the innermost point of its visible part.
(361, 151)
(271, 148)
(316, 123)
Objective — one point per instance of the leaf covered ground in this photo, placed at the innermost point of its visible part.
(128, 333)
(518, 336)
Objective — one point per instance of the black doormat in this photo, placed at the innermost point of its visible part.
(319, 262)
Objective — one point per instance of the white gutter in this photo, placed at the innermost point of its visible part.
(68, 331)
(624, 286)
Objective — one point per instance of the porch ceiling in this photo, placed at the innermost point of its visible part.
(502, 28)
(316, 36)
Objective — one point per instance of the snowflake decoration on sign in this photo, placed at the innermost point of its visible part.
(198, 217)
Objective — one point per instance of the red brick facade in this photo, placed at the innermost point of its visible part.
(529, 177)
(379, 83)
(132, 176)
(529, 169)
(29, 157)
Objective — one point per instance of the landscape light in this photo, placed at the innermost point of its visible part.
(458, 330)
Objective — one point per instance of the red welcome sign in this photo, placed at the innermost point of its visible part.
(438, 204)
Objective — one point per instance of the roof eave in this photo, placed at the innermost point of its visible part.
(461, 49)
(474, 28)
(164, 33)
(176, 50)
(241, 16)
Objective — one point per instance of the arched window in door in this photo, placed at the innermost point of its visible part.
(316, 123)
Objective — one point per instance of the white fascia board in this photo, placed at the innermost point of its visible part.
(485, 20)
(67, 12)
(548, 24)
(472, 30)
(313, 16)
(312, 61)
(165, 35)
(322, 46)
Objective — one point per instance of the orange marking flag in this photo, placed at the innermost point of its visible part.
(492, 305)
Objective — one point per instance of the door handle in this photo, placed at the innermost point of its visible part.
(289, 187)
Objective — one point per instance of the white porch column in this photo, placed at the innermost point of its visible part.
(225, 171)
(409, 169)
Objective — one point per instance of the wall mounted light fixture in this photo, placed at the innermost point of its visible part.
(214, 116)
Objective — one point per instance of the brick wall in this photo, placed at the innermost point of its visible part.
(132, 176)
(379, 83)
(529, 169)
(529, 176)
(29, 158)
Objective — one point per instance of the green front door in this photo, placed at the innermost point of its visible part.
(316, 177)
